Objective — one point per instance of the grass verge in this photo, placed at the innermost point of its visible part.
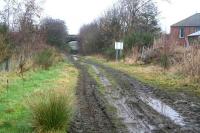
(15, 116)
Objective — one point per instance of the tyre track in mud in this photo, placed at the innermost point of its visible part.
(91, 116)
(130, 87)
(138, 117)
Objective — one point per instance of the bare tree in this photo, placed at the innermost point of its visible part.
(121, 21)
(20, 17)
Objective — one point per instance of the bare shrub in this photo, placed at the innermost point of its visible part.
(164, 61)
(158, 52)
(190, 66)
(133, 56)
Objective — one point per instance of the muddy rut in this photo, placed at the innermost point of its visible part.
(91, 116)
(137, 106)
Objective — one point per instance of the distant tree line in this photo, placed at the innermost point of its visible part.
(132, 21)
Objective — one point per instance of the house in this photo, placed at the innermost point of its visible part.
(184, 31)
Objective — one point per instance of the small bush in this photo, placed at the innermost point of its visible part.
(138, 39)
(164, 61)
(51, 113)
(110, 53)
(45, 58)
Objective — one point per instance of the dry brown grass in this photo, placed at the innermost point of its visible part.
(133, 57)
(182, 60)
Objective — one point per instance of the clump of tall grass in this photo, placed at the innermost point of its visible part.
(51, 112)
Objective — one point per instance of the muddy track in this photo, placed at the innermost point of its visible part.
(140, 108)
(147, 111)
(91, 116)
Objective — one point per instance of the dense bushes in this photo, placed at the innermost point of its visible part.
(138, 39)
(51, 112)
(110, 53)
(45, 58)
(55, 30)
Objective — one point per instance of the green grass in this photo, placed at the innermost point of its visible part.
(92, 72)
(154, 76)
(14, 114)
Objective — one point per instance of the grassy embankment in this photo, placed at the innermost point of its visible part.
(15, 115)
(154, 76)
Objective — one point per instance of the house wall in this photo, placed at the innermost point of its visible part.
(174, 35)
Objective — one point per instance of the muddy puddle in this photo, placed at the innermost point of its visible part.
(129, 116)
(75, 57)
(163, 109)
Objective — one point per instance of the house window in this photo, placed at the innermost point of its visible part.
(197, 28)
(181, 32)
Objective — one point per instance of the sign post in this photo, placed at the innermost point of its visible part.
(118, 47)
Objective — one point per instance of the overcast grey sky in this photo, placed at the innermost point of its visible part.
(79, 12)
(76, 12)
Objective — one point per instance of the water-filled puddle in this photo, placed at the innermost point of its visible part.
(163, 109)
(75, 57)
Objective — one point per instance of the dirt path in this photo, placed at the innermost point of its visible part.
(91, 116)
(139, 107)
